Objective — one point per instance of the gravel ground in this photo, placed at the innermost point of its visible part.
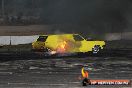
(62, 72)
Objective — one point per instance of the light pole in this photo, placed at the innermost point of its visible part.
(3, 8)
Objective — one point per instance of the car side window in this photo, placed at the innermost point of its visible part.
(77, 38)
(42, 38)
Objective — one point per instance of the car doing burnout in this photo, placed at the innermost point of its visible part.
(66, 43)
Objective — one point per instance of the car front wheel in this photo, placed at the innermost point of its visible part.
(95, 49)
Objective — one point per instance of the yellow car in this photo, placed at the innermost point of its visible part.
(66, 43)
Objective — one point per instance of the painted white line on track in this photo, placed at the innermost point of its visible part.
(36, 84)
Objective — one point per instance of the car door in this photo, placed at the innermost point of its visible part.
(78, 42)
(82, 44)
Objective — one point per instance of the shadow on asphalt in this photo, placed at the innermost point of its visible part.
(7, 56)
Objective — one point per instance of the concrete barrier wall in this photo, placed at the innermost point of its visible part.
(118, 36)
(5, 40)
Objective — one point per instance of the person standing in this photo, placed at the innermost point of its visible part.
(85, 75)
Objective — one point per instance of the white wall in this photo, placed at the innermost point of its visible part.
(5, 40)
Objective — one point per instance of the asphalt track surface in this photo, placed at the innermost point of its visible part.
(34, 70)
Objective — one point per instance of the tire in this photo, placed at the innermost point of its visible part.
(96, 49)
(44, 49)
